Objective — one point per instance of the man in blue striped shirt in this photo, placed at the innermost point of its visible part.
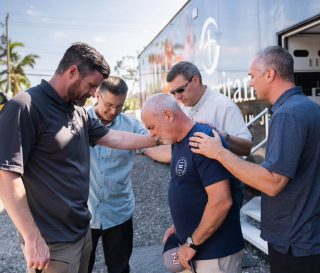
(111, 199)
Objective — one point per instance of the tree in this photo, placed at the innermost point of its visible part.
(127, 68)
(18, 63)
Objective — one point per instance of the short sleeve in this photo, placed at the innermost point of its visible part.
(285, 144)
(18, 135)
(234, 123)
(96, 130)
(139, 128)
(210, 171)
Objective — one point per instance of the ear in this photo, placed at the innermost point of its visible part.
(168, 115)
(96, 94)
(196, 80)
(73, 72)
(270, 74)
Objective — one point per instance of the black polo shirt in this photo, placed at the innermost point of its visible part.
(292, 218)
(47, 141)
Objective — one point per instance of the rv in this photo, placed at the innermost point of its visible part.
(221, 37)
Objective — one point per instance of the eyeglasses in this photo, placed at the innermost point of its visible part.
(182, 88)
(108, 105)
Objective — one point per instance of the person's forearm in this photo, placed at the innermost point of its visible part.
(212, 218)
(240, 146)
(13, 196)
(126, 140)
(252, 174)
(160, 153)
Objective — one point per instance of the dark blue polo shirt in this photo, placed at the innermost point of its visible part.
(292, 218)
(190, 174)
(46, 141)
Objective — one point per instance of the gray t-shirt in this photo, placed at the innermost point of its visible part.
(46, 141)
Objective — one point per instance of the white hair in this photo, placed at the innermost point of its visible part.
(158, 103)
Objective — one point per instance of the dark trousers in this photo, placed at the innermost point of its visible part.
(117, 247)
(287, 263)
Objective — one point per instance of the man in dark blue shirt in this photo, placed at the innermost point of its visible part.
(201, 193)
(289, 178)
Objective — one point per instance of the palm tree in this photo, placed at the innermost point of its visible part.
(18, 77)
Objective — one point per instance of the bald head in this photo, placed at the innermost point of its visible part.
(164, 118)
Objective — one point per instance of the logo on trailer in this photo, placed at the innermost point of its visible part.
(209, 45)
(181, 166)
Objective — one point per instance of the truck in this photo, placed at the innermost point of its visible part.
(221, 37)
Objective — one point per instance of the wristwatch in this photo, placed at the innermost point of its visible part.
(190, 243)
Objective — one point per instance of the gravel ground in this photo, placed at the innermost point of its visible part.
(152, 217)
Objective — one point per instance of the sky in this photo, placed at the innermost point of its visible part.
(116, 28)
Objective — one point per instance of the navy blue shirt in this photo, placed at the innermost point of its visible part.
(292, 218)
(190, 175)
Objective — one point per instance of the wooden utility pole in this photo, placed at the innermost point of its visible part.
(8, 91)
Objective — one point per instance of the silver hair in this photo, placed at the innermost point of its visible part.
(278, 59)
(158, 103)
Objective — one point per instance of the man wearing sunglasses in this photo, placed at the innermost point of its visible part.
(111, 200)
(202, 104)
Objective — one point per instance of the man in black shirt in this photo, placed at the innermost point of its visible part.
(44, 161)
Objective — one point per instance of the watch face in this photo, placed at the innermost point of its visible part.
(191, 244)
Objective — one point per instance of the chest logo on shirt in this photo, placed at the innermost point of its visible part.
(181, 166)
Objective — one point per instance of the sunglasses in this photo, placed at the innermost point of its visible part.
(181, 89)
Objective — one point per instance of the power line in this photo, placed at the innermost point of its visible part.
(81, 19)
(39, 74)
(105, 29)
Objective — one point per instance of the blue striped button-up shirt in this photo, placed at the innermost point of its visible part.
(111, 200)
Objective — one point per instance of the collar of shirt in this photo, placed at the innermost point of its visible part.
(202, 100)
(290, 92)
(52, 93)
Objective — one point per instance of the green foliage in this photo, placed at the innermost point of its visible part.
(127, 68)
(18, 63)
(131, 104)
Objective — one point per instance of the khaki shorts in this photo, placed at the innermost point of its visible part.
(69, 257)
(228, 264)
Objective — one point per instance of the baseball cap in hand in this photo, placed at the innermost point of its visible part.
(170, 254)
